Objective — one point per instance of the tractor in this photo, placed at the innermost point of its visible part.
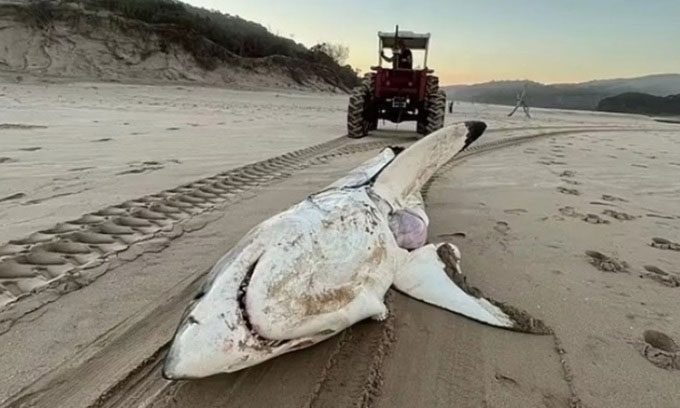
(397, 94)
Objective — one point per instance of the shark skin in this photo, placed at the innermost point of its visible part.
(325, 264)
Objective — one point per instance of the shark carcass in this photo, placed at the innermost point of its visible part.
(326, 263)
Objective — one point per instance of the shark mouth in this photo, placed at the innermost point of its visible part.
(241, 299)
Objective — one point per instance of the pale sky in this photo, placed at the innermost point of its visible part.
(481, 40)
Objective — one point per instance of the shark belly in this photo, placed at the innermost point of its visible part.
(331, 269)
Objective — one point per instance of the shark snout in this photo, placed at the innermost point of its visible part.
(183, 361)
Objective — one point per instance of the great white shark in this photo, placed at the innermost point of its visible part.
(326, 263)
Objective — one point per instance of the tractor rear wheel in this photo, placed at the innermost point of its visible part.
(434, 109)
(359, 121)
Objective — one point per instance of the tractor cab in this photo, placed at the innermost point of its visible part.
(393, 41)
(398, 93)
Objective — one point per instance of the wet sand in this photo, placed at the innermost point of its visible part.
(579, 229)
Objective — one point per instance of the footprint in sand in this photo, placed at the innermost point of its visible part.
(515, 211)
(660, 349)
(659, 275)
(504, 379)
(105, 139)
(621, 216)
(172, 128)
(7, 160)
(589, 218)
(30, 149)
(147, 166)
(605, 263)
(639, 165)
(19, 126)
(594, 219)
(662, 243)
(568, 174)
(551, 162)
(665, 217)
(607, 197)
(600, 203)
(502, 227)
(140, 169)
(572, 182)
(569, 211)
(570, 191)
(13, 197)
(453, 235)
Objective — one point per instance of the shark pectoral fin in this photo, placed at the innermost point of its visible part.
(424, 277)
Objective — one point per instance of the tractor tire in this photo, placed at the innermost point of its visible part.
(432, 85)
(369, 80)
(358, 125)
(436, 112)
(434, 108)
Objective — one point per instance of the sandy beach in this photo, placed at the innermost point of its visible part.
(570, 216)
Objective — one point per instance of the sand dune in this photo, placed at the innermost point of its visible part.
(84, 45)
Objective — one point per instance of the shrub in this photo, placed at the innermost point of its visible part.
(41, 12)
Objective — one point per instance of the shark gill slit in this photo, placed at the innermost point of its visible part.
(241, 299)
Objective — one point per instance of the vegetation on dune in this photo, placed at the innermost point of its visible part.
(241, 37)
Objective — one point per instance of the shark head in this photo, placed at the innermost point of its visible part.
(215, 334)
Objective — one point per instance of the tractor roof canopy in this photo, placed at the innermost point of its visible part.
(413, 40)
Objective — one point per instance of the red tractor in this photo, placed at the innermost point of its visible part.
(400, 93)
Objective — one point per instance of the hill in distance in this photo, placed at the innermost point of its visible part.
(641, 103)
(582, 96)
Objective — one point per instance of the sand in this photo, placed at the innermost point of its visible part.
(69, 149)
(570, 216)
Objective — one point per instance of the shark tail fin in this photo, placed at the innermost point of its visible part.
(410, 170)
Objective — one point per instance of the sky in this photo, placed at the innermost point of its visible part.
(550, 41)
